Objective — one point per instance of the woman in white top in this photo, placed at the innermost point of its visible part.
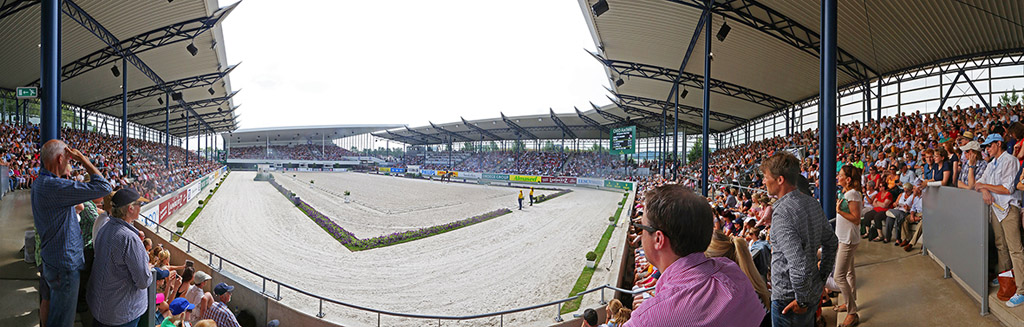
(847, 232)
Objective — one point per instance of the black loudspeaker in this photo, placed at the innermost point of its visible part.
(683, 95)
(723, 32)
(619, 82)
(600, 7)
(176, 96)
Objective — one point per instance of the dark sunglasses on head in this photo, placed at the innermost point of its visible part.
(649, 229)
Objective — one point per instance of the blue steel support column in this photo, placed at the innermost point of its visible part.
(49, 109)
(124, 118)
(186, 137)
(707, 103)
(167, 130)
(827, 106)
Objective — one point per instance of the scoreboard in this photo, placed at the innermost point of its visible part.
(623, 140)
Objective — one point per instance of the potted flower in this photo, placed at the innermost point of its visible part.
(611, 220)
(347, 199)
(591, 259)
(181, 227)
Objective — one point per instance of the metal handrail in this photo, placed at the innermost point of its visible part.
(730, 185)
(220, 266)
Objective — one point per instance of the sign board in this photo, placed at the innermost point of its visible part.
(27, 92)
(590, 181)
(497, 177)
(558, 180)
(524, 178)
(469, 175)
(623, 140)
(619, 185)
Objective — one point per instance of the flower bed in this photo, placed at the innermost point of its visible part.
(354, 243)
(545, 197)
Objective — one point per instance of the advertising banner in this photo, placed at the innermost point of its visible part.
(413, 169)
(172, 204)
(428, 172)
(398, 170)
(151, 216)
(442, 172)
(498, 177)
(524, 178)
(590, 181)
(384, 169)
(469, 175)
(619, 185)
(193, 191)
(558, 180)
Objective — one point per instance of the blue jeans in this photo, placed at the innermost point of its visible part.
(133, 323)
(791, 319)
(64, 285)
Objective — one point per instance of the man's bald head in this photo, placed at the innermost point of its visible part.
(54, 156)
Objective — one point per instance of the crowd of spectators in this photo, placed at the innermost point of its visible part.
(147, 172)
(294, 152)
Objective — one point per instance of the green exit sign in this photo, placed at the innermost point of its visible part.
(27, 93)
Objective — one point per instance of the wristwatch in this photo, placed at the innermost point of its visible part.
(803, 305)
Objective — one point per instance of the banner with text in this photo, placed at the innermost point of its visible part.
(497, 177)
(428, 172)
(469, 175)
(590, 181)
(619, 185)
(623, 140)
(558, 180)
(524, 178)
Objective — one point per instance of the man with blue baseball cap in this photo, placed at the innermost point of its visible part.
(219, 311)
(997, 190)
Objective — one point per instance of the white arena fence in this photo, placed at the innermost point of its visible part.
(487, 178)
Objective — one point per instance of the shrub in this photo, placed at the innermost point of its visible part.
(612, 218)
(347, 193)
(591, 256)
(311, 181)
(200, 202)
(180, 224)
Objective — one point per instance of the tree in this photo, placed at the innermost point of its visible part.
(597, 147)
(468, 147)
(518, 146)
(1010, 99)
(494, 146)
(696, 152)
(549, 146)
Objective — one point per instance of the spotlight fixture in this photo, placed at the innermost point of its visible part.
(683, 95)
(210, 90)
(176, 96)
(160, 100)
(220, 110)
(115, 71)
(192, 49)
(182, 115)
(724, 31)
(619, 82)
(600, 7)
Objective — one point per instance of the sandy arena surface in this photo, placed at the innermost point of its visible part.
(382, 205)
(521, 259)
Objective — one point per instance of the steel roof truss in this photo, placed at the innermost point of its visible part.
(565, 129)
(517, 127)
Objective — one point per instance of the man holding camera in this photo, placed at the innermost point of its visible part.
(117, 287)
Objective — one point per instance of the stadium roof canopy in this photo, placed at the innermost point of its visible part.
(767, 63)
(160, 33)
(300, 134)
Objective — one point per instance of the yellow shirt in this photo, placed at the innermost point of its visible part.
(520, 195)
(531, 192)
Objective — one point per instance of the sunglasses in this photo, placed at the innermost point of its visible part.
(649, 229)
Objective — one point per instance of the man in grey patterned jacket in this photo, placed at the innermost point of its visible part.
(798, 229)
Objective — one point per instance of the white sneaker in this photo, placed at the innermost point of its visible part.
(1016, 300)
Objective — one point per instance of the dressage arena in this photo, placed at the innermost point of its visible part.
(520, 259)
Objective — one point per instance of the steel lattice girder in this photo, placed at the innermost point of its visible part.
(591, 121)
(424, 136)
(689, 51)
(211, 102)
(83, 18)
(691, 80)
(517, 127)
(216, 125)
(478, 129)
(16, 6)
(173, 122)
(175, 86)
(656, 116)
(565, 129)
(404, 138)
(170, 34)
(777, 25)
(623, 121)
(450, 133)
(691, 110)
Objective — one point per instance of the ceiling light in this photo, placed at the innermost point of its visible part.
(115, 71)
(600, 7)
(160, 100)
(192, 49)
(619, 82)
(723, 31)
(176, 96)
(210, 90)
(683, 95)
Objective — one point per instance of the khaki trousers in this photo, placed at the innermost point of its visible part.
(844, 275)
(905, 231)
(1008, 246)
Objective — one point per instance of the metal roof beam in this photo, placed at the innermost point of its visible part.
(83, 18)
(160, 124)
(689, 51)
(450, 133)
(216, 125)
(517, 127)
(697, 112)
(479, 129)
(623, 121)
(424, 136)
(199, 104)
(178, 85)
(16, 6)
(565, 129)
(171, 34)
(403, 138)
(591, 121)
(771, 22)
(696, 81)
(652, 115)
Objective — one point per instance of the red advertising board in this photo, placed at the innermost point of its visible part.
(173, 204)
(558, 180)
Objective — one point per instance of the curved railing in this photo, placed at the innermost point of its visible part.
(220, 261)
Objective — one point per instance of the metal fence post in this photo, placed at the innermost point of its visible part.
(603, 302)
(321, 314)
(558, 313)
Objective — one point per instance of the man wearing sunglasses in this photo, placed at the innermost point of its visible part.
(117, 288)
(693, 290)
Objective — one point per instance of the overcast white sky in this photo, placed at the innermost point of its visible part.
(406, 62)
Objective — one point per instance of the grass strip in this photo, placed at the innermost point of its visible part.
(195, 213)
(584, 280)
